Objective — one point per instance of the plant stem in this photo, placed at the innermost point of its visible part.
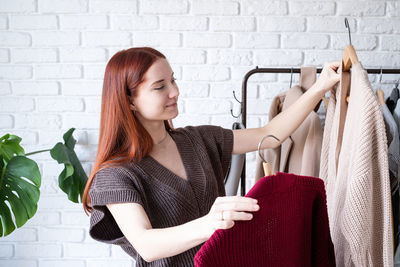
(2, 177)
(35, 152)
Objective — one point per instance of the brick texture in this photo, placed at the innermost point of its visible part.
(53, 55)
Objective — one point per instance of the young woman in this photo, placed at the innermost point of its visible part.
(156, 191)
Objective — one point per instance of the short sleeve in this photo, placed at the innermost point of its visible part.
(219, 143)
(111, 185)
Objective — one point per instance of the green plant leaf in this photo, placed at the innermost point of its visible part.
(19, 186)
(72, 179)
(9, 146)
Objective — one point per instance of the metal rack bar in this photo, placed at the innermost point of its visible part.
(280, 70)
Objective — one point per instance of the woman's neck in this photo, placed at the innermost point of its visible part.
(157, 131)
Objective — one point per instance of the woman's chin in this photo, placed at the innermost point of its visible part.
(175, 115)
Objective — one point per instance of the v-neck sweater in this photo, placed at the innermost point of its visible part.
(167, 199)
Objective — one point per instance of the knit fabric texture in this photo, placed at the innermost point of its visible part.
(290, 229)
(168, 199)
(354, 167)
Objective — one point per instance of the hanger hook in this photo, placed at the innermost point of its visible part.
(380, 78)
(346, 23)
(291, 77)
(259, 145)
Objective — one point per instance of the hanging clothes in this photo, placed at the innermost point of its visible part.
(396, 113)
(396, 116)
(397, 258)
(233, 177)
(393, 145)
(394, 164)
(395, 203)
(391, 101)
(291, 228)
(354, 166)
(300, 152)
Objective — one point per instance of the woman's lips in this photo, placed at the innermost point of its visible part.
(172, 105)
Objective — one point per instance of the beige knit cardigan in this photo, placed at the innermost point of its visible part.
(354, 167)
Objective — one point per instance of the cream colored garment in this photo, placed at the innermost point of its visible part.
(354, 167)
(300, 152)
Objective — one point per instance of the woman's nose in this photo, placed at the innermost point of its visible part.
(174, 91)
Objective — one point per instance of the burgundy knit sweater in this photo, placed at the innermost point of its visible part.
(290, 229)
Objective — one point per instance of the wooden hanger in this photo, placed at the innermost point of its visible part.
(267, 169)
(350, 56)
(326, 101)
(266, 165)
(379, 92)
(381, 96)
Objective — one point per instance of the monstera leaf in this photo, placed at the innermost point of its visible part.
(20, 179)
(9, 147)
(19, 185)
(72, 179)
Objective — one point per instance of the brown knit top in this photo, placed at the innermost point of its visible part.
(168, 199)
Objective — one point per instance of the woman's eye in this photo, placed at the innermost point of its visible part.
(161, 87)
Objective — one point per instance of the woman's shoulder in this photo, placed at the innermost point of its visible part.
(115, 175)
(114, 169)
(208, 136)
(201, 130)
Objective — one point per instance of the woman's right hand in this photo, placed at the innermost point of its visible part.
(328, 77)
(226, 210)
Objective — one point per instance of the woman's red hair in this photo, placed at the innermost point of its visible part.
(122, 137)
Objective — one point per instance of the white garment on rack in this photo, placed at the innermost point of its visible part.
(354, 166)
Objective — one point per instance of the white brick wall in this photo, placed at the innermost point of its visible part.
(53, 55)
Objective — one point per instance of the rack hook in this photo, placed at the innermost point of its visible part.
(235, 115)
(234, 96)
(346, 23)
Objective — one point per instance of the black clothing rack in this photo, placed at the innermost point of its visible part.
(280, 70)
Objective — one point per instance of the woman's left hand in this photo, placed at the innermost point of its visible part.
(225, 211)
(328, 77)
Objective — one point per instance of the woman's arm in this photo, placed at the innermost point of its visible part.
(153, 244)
(286, 122)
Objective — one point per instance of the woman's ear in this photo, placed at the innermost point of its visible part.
(132, 107)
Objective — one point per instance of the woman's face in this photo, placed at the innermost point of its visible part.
(157, 96)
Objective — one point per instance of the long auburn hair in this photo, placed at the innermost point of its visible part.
(122, 137)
